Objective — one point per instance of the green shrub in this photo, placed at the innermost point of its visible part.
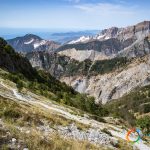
(106, 131)
(11, 113)
(145, 108)
(144, 124)
(106, 66)
(20, 85)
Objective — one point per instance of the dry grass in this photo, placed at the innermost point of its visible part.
(35, 141)
(24, 115)
(124, 145)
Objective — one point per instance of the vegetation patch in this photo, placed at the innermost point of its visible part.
(136, 102)
(107, 66)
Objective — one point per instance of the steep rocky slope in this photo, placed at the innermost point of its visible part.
(31, 42)
(114, 84)
(60, 66)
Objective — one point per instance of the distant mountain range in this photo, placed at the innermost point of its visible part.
(57, 36)
(32, 42)
(69, 36)
(111, 43)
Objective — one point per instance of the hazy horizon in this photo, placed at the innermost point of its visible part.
(8, 33)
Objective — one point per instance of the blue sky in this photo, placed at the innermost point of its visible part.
(72, 14)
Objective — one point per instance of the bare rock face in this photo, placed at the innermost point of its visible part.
(82, 55)
(139, 48)
(115, 84)
(94, 136)
(50, 62)
(136, 31)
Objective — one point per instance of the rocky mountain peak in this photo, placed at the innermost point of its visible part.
(111, 32)
(31, 36)
(145, 25)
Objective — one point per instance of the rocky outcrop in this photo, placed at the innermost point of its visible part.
(50, 62)
(82, 55)
(94, 136)
(103, 49)
(139, 48)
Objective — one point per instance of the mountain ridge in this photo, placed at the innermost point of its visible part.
(116, 32)
(31, 42)
(111, 43)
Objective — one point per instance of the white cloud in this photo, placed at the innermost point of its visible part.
(106, 15)
(107, 9)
